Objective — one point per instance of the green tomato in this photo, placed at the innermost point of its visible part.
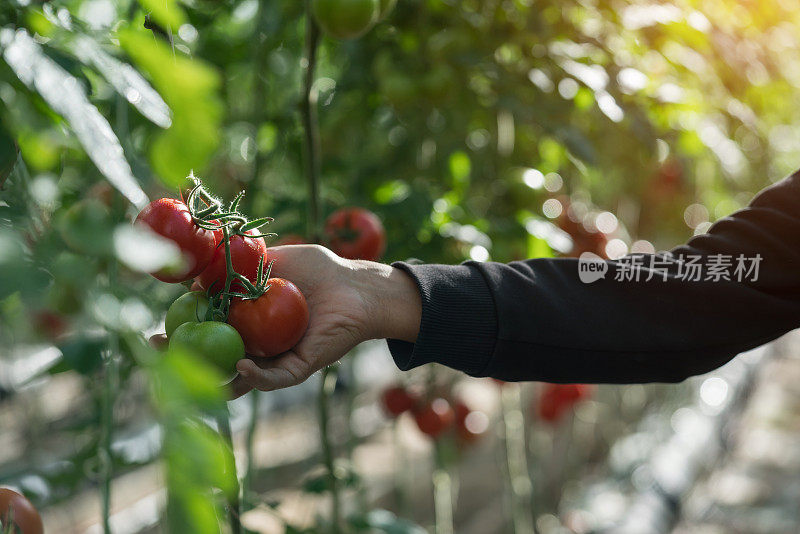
(346, 19)
(188, 308)
(386, 7)
(217, 343)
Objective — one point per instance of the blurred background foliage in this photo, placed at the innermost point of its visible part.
(483, 129)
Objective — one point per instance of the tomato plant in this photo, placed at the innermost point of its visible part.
(171, 218)
(346, 19)
(434, 417)
(557, 399)
(356, 233)
(190, 307)
(272, 323)
(470, 424)
(247, 252)
(217, 343)
(18, 511)
(397, 400)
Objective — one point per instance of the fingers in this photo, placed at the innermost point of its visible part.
(238, 387)
(268, 374)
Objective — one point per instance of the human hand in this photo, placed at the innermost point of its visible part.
(349, 301)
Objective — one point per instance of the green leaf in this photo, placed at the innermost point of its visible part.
(257, 223)
(66, 96)
(85, 353)
(166, 12)
(460, 168)
(190, 88)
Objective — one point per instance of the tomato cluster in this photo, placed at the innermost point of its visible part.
(557, 400)
(436, 415)
(240, 309)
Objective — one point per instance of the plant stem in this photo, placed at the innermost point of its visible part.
(308, 108)
(110, 387)
(516, 460)
(247, 489)
(226, 299)
(234, 503)
(442, 494)
(327, 385)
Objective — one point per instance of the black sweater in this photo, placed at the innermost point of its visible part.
(536, 320)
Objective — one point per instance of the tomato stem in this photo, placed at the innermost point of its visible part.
(327, 385)
(110, 387)
(308, 108)
(247, 489)
(234, 502)
(442, 493)
(516, 468)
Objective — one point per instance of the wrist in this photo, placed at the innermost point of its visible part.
(394, 309)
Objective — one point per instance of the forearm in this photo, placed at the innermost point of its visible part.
(536, 320)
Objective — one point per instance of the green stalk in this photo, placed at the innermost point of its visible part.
(110, 387)
(308, 108)
(247, 489)
(234, 503)
(308, 111)
(519, 482)
(327, 385)
(442, 494)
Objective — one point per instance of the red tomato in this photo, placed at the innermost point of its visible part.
(16, 509)
(435, 417)
(246, 254)
(50, 325)
(170, 218)
(397, 400)
(274, 322)
(356, 234)
(470, 424)
(557, 399)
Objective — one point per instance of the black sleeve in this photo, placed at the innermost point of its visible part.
(536, 320)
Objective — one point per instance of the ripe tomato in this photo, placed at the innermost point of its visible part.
(17, 510)
(397, 400)
(274, 322)
(557, 399)
(470, 424)
(190, 307)
(435, 417)
(246, 254)
(170, 218)
(217, 343)
(356, 234)
(345, 19)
